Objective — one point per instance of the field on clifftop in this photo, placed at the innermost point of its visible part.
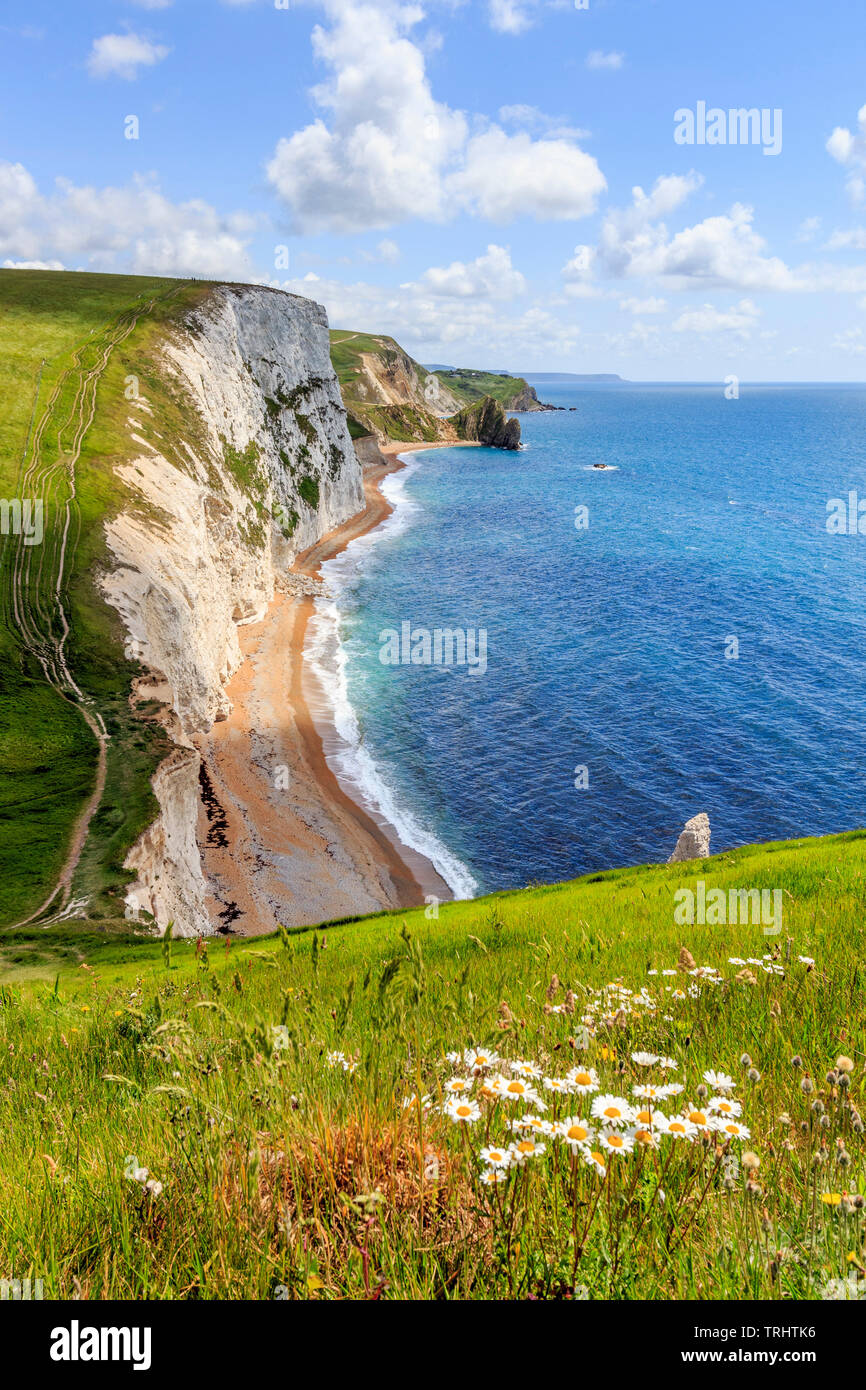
(558, 1093)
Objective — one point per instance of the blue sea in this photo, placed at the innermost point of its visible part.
(700, 645)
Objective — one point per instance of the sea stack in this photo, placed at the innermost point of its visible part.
(694, 841)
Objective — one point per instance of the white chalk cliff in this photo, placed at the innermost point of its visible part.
(267, 469)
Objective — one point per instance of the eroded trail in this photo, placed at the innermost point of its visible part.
(34, 577)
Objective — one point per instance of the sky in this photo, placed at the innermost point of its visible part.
(506, 184)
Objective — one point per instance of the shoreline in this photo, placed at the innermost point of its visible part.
(288, 843)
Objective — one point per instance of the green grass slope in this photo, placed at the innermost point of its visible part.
(267, 1088)
(68, 343)
(470, 386)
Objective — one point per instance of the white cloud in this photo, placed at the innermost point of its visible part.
(722, 251)
(491, 276)
(506, 176)
(849, 150)
(390, 152)
(598, 60)
(121, 55)
(850, 342)
(33, 265)
(133, 228)
(509, 16)
(854, 239)
(740, 319)
(809, 229)
(651, 305)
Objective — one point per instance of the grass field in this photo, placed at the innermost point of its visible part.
(287, 1097)
(68, 345)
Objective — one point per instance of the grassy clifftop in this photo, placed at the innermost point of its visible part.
(68, 344)
(267, 1087)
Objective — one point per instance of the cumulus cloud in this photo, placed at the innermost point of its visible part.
(853, 239)
(134, 228)
(426, 323)
(739, 319)
(33, 265)
(389, 151)
(651, 305)
(121, 55)
(723, 251)
(598, 60)
(490, 276)
(848, 148)
(509, 16)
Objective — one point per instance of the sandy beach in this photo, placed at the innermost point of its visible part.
(281, 841)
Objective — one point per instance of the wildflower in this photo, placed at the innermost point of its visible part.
(575, 1131)
(462, 1111)
(754, 1075)
(731, 1129)
(668, 1063)
(525, 1149)
(806, 960)
(724, 1105)
(153, 1188)
(650, 1092)
(806, 1086)
(594, 1160)
(584, 1080)
(615, 1142)
(796, 1060)
(735, 960)
(496, 1158)
(644, 1059)
(646, 1138)
(751, 1162)
(678, 1127)
(719, 1081)
(491, 1176)
(531, 1124)
(527, 1069)
(479, 1060)
(458, 1085)
(673, 1088)
(844, 1064)
(613, 1110)
(699, 1118)
(517, 1089)
(559, 1084)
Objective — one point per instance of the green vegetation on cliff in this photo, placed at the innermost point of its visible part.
(266, 1085)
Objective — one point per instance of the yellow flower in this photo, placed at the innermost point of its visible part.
(831, 1199)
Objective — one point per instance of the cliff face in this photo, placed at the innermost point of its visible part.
(268, 467)
(487, 422)
(527, 399)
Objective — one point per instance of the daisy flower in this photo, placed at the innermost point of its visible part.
(496, 1158)
(527, 1069)
(458, 1085)
(518, 1089)
(479, 1059)
(721, 1105)
(584, 1080)
(525, 1149)
(615, 1142)
(462, 1111)
(575, 1131)
(594, 1160)
(673, 1088)
(644, 1059)
(644, 1137)
(669, 1063)
(612, 1110)
(559, 1084)
(719, 1081)
(650, 1092)
(491, 1176)
(731, 1129)
(701, 1119)
(678, 1127)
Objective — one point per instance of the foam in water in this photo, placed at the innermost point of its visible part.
(348, 758)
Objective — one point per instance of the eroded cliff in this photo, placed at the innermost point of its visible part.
(263, 468)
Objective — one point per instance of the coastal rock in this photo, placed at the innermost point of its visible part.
(527, 400)
(487, 423)
(694, 840)
(212, 524)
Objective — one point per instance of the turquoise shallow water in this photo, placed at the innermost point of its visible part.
(606, 646)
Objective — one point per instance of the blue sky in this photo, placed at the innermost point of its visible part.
(494, 182)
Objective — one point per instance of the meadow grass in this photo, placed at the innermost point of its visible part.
(280, 1118)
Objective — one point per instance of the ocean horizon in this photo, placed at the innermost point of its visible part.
(695, 646)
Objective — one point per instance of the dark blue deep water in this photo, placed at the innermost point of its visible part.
(606, 646)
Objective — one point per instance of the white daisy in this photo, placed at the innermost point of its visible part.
(719, 1081)
(464, 1112)
(614, 1141)
(584, 1080)
(612, 1111)
(496, 1157)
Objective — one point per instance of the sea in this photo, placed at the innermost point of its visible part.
(681, 631)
